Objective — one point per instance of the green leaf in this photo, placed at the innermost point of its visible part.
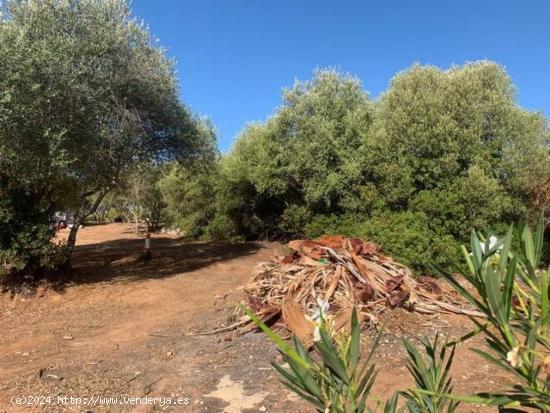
(545, 298)
(331, 357)
(498, 363)
(461, 290)
(538, 243)
(355, 344)
(391, 404)
(468, 259)
(528, 246)
(477, 251)
(485, 399)
(509, 283)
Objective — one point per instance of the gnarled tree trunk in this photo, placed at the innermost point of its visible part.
(83, 212)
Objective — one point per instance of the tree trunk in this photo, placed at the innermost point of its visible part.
(136, 224)
(79, 219)
(71, 240)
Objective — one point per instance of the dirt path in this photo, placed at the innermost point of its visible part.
(124, 327)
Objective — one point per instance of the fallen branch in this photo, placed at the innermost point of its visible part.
(233, 326)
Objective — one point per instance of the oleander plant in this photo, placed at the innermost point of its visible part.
(512, 291)
(506, 285)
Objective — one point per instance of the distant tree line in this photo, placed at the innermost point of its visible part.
(439, 152)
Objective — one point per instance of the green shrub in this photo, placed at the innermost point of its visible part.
(294, 219)
(340, 380)
(221, 227)
(29, 253)
(348, 225)
(439, 152)
(406, 236)
(189, 198)
(430, 368)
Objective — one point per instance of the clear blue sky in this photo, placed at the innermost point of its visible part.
(235, 56)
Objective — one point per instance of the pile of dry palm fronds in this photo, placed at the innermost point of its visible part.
(339, 273)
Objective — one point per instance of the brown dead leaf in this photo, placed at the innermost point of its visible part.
(430, 285)
(394, 282)
(353, 272)
(308, 248)
(294, 318)
(398, 297)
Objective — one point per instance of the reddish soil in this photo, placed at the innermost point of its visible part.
(125, 326)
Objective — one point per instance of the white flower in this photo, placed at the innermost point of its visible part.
(320, 311)
(490, 243)
(318, 317)
(513, 357)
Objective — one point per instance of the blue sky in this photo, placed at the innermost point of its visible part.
(234, 57)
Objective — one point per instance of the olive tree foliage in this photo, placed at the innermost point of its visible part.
(187, 188)
(439, 152)
(454, 149)
(276, 175)
(189, 198)
(305, 160)
(140, 196)
(455, 145)
(84, 94)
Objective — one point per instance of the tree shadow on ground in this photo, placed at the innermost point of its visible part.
(121, 260)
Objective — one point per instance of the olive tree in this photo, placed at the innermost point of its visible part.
(454, 144)
(188, 188)
(140, 196)
(85, 93)
(305, 160)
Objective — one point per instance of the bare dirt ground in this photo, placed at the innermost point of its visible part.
(127, 328)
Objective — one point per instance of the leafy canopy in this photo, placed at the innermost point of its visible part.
(84, 94)
(438, 152)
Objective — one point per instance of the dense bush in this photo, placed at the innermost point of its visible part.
(189, 199)
(188, 188)
(439, 152)
(406, 235)
(22, 227)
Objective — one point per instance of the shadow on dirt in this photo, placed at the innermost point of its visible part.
(121, 260)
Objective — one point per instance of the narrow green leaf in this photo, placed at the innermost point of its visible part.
(477, 251)
(461, 290)
(539, 239)
(355, 344)
(509, 283)
(528, 247)
(545, 299)
(331, 357)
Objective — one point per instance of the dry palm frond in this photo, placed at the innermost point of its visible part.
(346, 273)
(297, 322)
